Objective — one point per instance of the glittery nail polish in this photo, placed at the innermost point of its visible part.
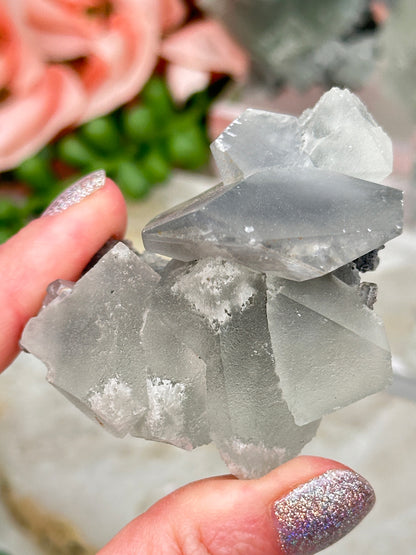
(317, 514)
(77, 192)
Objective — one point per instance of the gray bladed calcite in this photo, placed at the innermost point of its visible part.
(341, 353)
(301, 223)
(258, 324)
(257, 140)
(90, 340)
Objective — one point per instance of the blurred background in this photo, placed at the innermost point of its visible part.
(140, 88)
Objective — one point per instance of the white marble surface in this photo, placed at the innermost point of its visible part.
(72, 468)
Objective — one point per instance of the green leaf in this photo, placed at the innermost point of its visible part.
(188, 148)
(155, 167)
(156, 96)
(102, 134)
(35, 171)
(8, 211)
(139, 123)
(72, 150)
(132, 180)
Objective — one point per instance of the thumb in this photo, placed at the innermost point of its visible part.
(57, 245)
(301, 507)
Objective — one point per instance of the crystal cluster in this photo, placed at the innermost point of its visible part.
(258, 325)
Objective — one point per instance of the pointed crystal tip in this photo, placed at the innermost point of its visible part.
(301, 223)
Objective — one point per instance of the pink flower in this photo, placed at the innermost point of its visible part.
(172, 14)
(116, 52)
(204, 47)
(29, 120)
(63, 62)
(127, 52)
(19, 66)
(117, 42)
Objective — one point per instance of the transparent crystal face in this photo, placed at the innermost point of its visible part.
(258, 140)
(300, 223)
(90, 340)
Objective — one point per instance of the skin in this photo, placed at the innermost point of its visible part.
(216, 516)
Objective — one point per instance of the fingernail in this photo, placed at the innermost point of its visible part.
(77, 192)
(319, 513)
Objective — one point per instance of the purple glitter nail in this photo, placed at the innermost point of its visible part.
(77, 192)
(317, 514)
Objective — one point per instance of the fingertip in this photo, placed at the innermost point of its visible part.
(117, 207)
(58, 245)
(310, 501)
(296, 471)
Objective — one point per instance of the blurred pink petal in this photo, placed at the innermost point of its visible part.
(19, 65)
(206, 46)
(172, 14)
(93, 71)
(128, 50)
(62, 29)
(222, 113)
(380, 11)
(28, 122)
(183, 81)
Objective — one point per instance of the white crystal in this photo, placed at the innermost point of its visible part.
(257, 140)
(340, 134)
(245, 338)
(176, 383)
(243, 393)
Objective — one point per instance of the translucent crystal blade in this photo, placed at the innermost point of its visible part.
(330, 349)
(264, 433)
(299, 223)
(90, 340)
(58, 288)
(340, 134)
(193, 321)
(176, 387)
(257, 140)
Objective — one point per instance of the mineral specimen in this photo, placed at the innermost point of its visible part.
(258, 325)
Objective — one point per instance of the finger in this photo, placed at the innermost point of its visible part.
(54, 246)
(301, 507)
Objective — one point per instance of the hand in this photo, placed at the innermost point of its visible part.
(277, 514)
